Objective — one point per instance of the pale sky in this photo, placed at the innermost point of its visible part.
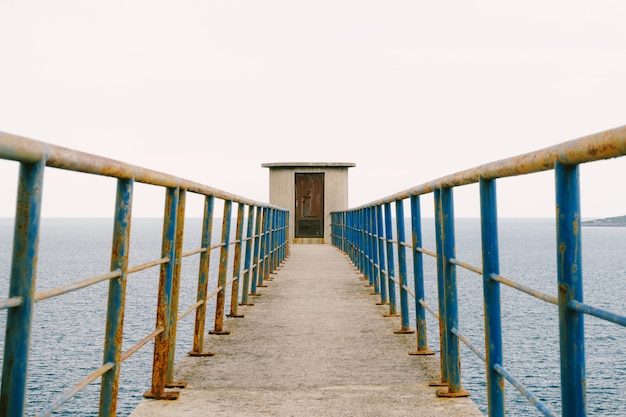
(408, 90)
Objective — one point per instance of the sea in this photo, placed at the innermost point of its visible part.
(67, 335)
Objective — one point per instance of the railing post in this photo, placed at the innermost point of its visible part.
(263, 250)
(344, 240)
(570, 289)
(257, 250)
(449, 318)
(369, 247)
(249, 244)
(276, 240)
(362, 246)
(418, 279)
(384, 279)
(220, 299)
(287, 234)
(269, 247)
(166, 277)
(491, 290)
(267, 264)
(234, 292)
(402, 271)
(203, 279)
(23, 277)
(390, 262)
(374, 246)
(178, 250)
(117, 296)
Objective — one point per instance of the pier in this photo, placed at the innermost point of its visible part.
(331, 331)
(314, 344)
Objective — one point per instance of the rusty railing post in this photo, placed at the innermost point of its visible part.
(218, 328)
(164, 303)
(449, 313)
(390, 262)
(117, 297)
(402, 270)
(234, 292)
(256, 250)
(203, 279)
(247, 258)
(23, 277)
(570, 290)
(178, 250)
(418, 279)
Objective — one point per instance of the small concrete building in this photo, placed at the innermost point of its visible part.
(311, 191)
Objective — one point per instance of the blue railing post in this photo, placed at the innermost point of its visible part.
(23, 276)
(277, 240)
(402, 271)
(418, 279)
(393, 312)
(363, 246)
(166, 277)
(257, 250)
(178, 250)
(203, 279)
(220, 299)
(117, 296)
(287, 234)
(234, 292)
(264, 247)
(570, 289)
(344, 232)
(249, 245)
(491, 291)
(384, 277)
(349, 233)
(374, 250)
(449, 314)
(269, 263)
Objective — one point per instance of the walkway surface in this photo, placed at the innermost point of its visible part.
(314, 344)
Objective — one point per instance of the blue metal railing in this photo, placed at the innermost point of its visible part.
(357, 231)
(264, 251)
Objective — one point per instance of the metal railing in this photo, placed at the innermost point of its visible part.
(266, 238)
(366, 234)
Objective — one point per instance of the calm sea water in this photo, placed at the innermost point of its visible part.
(68, 333)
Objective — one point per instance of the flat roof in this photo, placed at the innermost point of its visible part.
(309, 165)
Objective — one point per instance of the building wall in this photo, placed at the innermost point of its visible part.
(282, 191)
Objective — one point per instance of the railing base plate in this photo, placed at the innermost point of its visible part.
(437, 384)
(201, 354)
(404, 331)
(219, 332)
(421, 352)
(176, 384)
(444, 393)
(246, 304)
(235, 316)
(391, 315)
(168, 396)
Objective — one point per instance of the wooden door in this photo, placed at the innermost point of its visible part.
(309, 205)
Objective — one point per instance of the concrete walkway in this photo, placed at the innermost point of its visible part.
(314, 344)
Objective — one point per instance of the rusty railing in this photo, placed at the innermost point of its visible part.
(265, 249)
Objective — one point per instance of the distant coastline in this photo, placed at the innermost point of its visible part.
(619, 221)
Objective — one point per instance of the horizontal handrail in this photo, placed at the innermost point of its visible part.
(603, 145)
(22, 149)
